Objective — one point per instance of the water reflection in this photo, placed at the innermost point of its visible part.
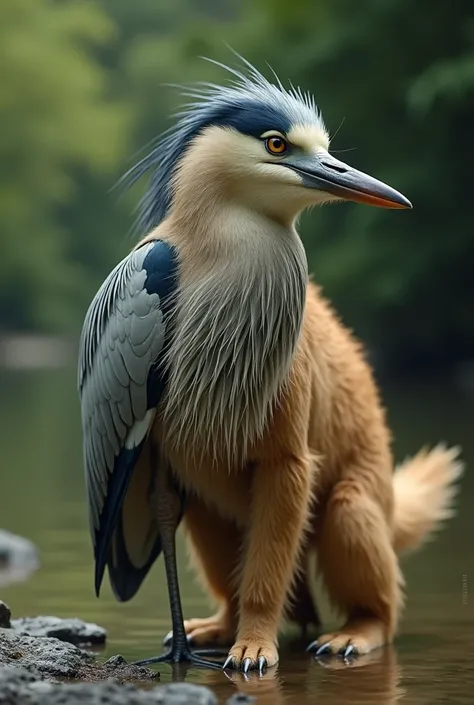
(42, 498)
(372, 679)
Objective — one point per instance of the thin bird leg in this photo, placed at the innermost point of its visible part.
(168, 510)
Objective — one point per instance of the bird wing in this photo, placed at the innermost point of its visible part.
(120, 383)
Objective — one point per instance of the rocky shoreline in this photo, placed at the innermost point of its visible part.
(40, 658)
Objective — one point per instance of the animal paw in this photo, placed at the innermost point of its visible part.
(252, 654)
(202, 632)
(353, 640)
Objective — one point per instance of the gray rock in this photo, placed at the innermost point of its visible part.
(30, 667)
(115, 661)
(184, 694)
(48, 656)
(18, 558)
(73, 630)
(21, 687)
(56, 659)
(17, 685)
(5, 616)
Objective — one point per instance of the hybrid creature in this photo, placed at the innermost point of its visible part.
(218, 387)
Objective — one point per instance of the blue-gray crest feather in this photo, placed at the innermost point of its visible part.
(249, 103)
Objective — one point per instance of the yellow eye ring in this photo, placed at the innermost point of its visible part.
(276, 145)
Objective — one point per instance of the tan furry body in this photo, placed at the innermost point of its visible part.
(319, 478)
(323, 464)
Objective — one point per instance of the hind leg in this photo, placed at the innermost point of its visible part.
(360, 570)
(214, 545)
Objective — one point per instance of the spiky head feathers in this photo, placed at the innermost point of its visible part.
(249, 104)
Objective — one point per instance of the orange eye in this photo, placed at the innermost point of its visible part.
(276, 145)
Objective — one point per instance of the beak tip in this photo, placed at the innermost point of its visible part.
(405, 204)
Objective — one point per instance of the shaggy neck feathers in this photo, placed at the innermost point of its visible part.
(239, 314)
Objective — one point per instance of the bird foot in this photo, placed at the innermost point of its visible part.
(186, 656)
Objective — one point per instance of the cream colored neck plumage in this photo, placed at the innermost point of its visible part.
(239, 313)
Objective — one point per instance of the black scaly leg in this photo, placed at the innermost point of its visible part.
(168, 513)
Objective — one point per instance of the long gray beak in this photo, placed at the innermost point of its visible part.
(325, 173)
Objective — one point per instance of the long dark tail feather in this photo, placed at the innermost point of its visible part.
(132, 533)
(117, 488)
(126, 578)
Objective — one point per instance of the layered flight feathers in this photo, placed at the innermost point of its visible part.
(121, 381)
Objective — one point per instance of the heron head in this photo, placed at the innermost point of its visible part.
(258, 144)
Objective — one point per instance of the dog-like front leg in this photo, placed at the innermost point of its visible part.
(281, 493)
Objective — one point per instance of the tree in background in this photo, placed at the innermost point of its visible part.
(395, 81)
(82, 91)
(55, 117)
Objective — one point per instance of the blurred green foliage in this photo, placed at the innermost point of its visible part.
(82, 90)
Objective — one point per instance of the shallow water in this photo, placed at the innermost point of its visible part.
(42, 498)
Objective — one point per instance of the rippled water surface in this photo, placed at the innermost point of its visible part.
(42, 498)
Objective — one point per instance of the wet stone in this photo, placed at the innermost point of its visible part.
(5, 616)
(49, 656)
(115, 661)
(37, 670)
(18, 558)
(57, 659)
(72, 630)
(21, 687)
(185, 694)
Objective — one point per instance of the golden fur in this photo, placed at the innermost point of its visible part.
(320, 478)
(324, 464)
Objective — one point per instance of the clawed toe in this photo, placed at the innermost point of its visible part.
(347, 651)
(229, 663)
(319, 648)
(356, 638)
(248, 656)
(324, 649)
(262, 664)
(247, 664)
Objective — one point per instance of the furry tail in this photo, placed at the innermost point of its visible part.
(424, 488)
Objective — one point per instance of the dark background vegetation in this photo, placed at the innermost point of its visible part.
(81, 91)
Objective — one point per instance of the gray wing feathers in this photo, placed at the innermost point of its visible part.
(122, 337)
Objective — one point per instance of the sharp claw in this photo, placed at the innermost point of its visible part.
(324, 649)
(349, 651)
(262, 664)
(312, 646)
(246, 664)
(229, 662)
